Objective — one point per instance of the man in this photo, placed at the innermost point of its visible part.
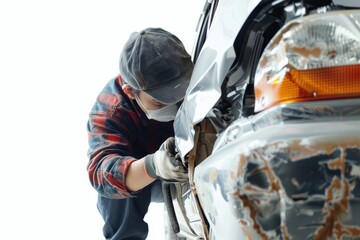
(130, 131)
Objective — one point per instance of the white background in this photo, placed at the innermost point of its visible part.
(55, 57)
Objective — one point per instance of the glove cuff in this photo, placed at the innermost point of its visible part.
(149, 166)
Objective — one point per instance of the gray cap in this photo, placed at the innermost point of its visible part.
(156, 62)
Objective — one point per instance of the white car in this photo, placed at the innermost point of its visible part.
(270, 124)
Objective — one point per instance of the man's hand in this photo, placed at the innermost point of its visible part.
(165, 163)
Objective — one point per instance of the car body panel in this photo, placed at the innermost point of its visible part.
(289, 172)
(212, 65)
(255, 180)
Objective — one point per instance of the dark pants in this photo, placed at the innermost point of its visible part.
(124, 218)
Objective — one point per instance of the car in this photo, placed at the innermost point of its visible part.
(269, 127)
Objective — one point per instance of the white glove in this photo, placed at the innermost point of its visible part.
(165, 164)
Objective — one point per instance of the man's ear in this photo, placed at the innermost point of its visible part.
(128, 91)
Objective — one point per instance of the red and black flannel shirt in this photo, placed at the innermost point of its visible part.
(119, 133)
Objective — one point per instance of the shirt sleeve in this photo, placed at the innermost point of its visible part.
(109, 147)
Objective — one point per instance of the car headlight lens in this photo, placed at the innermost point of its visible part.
(312, 58)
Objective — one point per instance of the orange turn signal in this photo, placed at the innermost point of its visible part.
(308, 85)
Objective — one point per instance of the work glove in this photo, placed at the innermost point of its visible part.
(165, 163)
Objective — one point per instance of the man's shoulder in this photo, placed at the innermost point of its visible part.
(111, 98)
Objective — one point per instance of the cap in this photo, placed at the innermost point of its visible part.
(156, 62)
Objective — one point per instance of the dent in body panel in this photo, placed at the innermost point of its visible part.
(306, 192)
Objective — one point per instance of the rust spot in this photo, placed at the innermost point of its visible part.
(350, 231)
(335, 208)
(242, 193)
(244, 223)
(335, 164)
(300, 150)
(285, 232)
(242, 164)
(336, 205)
(247, 203)
(337, 195)
(248, 234)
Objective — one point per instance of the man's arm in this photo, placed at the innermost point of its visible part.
(164, 163)
(109, 160)
(137, 177)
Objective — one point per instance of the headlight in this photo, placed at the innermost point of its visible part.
(312, 58)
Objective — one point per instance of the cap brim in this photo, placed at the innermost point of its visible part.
(172, 92)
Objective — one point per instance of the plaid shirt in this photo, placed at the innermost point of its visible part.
(119, 133)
